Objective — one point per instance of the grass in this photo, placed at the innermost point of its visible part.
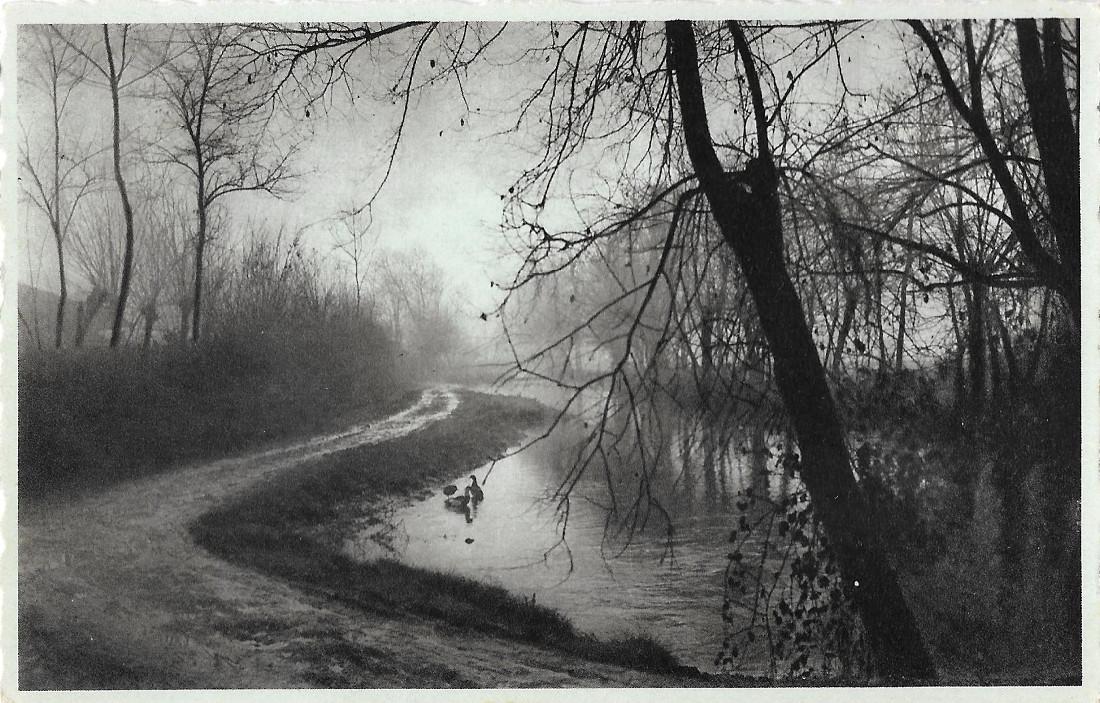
(69, 660)
(275, 529)
(343, 663)
(89, 419)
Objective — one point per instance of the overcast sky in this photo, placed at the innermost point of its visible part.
(443, 194)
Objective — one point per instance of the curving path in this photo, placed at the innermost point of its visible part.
(116, 575)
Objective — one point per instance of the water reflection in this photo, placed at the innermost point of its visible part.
(641, 544)
(627, 551)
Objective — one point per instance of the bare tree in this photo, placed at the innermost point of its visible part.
(1053, 110)
(357, 245)
(223, 106)
(56, 184)
(114, 75)
(121, 57)
(747, 210)
(416, 296)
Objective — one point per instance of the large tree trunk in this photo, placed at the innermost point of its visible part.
(751, 224)
(127, 211)
(1056, 138)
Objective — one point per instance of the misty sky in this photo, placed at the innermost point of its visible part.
(443, 194)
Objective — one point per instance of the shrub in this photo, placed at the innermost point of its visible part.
(277, 358)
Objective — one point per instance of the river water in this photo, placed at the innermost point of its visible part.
(664, 578)
(660, 569)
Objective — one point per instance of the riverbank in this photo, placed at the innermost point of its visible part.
(93, 418)
(114, 593)
(292, 530)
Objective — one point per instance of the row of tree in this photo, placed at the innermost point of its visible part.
(192, 121)
(211, 137)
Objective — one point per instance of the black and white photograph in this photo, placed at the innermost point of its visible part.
(425, 347)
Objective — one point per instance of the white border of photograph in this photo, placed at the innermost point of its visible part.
(16, 13)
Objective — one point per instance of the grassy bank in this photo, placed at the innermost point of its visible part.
(55, 657)
(91, 418)
(277, 529)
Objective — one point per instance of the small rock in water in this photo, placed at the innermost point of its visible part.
(469, 540)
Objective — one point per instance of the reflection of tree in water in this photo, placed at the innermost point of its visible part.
(760, 454)
(667, 462)
(665, 466)
(703, 465)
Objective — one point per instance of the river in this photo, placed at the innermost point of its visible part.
(660, 569)
(663, 578)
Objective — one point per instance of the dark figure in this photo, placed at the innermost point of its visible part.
(474, 492)
(458, 502)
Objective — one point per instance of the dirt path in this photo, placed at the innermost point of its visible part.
(116, 576)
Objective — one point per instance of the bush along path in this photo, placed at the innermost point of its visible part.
(115, 593)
